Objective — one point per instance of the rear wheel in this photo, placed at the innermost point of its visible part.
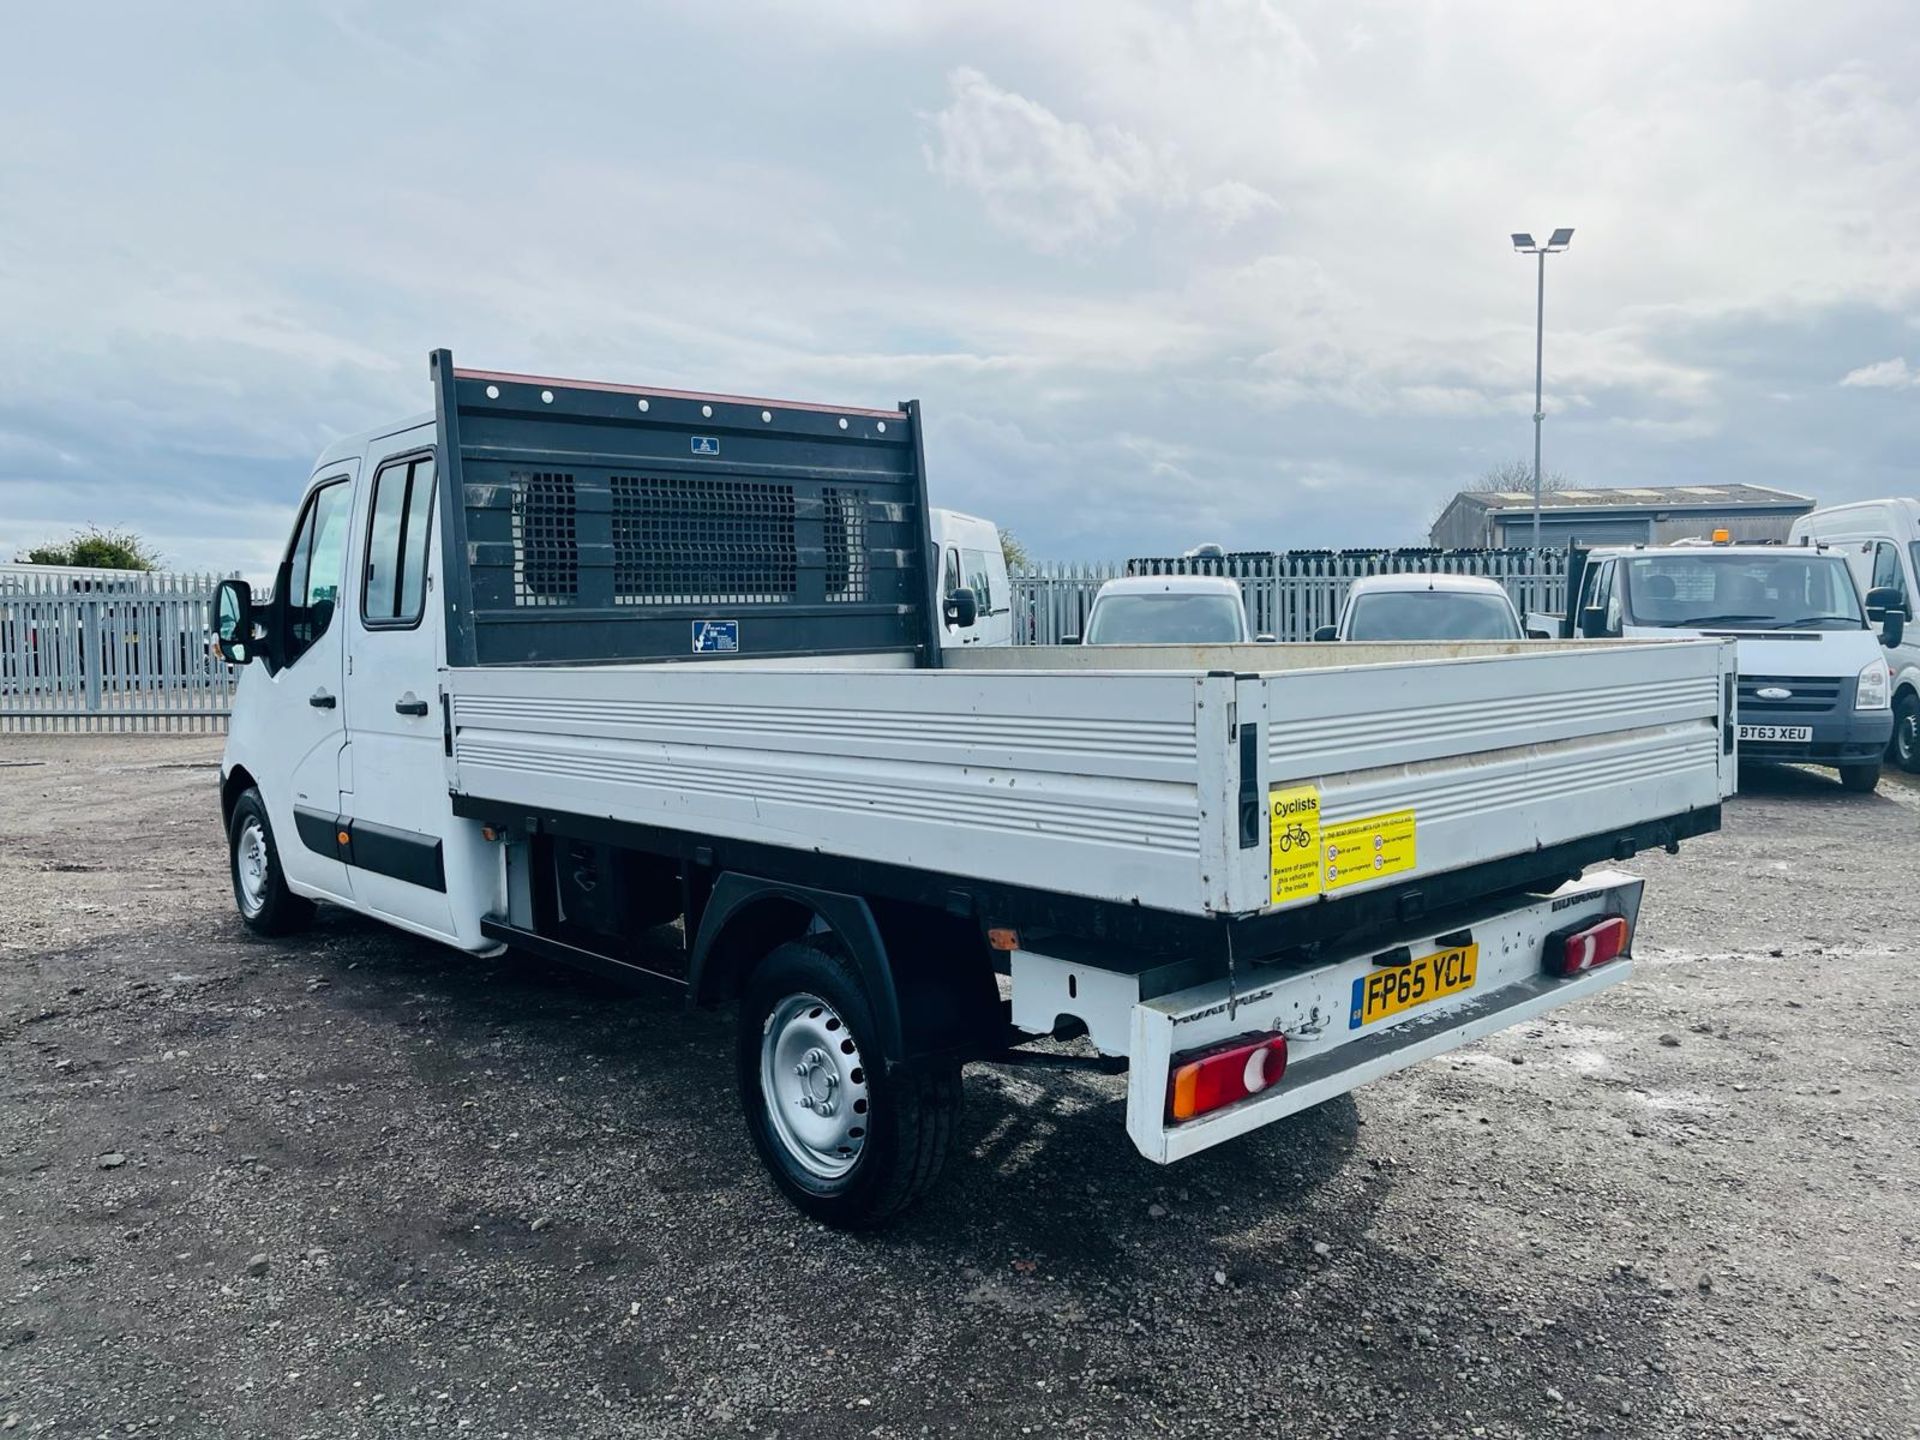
(259, 890)
(1904, 748)
(851, 1135)
(1860, 779)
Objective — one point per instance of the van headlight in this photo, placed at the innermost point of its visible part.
(1871, 691)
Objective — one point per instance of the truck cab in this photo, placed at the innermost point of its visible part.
(1813, 685)
(971, 559)
(1880, 540)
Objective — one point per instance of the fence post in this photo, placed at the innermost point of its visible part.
(92, 652)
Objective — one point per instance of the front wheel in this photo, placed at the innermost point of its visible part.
(259, 889)
(1859, 779)
(850, 1135)
(1904, 748)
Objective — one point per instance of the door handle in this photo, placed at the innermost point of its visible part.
(320, 700)
(407, 705)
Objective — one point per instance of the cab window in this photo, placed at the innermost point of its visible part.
(950, 581)
(979, 573)
(1887, 571)
(1600, 595)
(394, 587)
(314, 567)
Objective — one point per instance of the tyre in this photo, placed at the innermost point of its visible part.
(1904, 749)
(850, 1135)
(1860, 779)
(259, 890)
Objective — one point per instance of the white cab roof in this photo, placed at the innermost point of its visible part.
(1172, 585)
(349, 446)
(1614, 552)
(1452, 584)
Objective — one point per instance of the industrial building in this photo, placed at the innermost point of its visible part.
(1641, 515)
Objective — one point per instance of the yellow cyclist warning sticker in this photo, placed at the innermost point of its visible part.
(1366, 849)
(1293, 833)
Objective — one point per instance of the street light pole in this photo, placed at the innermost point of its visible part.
(1523, 243)
(1539, 359)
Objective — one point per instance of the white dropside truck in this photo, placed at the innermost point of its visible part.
(561, 663)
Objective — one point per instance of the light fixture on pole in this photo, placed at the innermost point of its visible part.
(1523, 243)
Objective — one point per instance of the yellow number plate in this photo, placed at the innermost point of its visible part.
(1390, 989)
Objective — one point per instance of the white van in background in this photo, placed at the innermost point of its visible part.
(971, 558)
(1814, 687)
(1880, 540)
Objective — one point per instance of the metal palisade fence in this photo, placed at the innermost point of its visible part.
(110, 652)
(1288, 593)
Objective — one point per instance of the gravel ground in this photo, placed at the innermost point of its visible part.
(355, 1185)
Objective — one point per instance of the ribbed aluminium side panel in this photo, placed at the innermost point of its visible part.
(1019, 778)
(1497, 756)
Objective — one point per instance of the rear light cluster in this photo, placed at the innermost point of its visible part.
(1571, 951)
(1206, 1080)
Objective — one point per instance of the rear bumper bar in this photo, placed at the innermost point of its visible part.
(1328, 1053)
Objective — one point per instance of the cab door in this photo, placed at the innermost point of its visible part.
(297, 755)
(395, 798)
(952, 578)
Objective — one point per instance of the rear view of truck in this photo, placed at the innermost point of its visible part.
(691, 669)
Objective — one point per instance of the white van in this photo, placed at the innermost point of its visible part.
(1418, 606)
(1881, 542)
(1813, 685)
(971, 559)
(1167, 610)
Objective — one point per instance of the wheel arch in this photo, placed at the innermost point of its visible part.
(941, 1000)
(236, 783)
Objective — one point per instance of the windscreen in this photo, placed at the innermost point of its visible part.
(980, 578)
(1789, 591)
(1166, 620)
(1431, 615)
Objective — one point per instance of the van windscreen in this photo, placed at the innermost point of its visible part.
(1792, 590)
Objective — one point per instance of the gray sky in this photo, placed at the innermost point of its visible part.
(1160, 273)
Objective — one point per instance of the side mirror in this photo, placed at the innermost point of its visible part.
(962, 608)
(1070, 639)
(1593, 621)
(1266, 640)
(233, 628)
(1893, 629)
(1881, 600)
(1327, 632)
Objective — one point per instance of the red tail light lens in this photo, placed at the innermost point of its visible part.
(1571, 951)
(1204, 1080)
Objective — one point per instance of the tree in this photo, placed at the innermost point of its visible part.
(1014, 552)
(97, 549)
(1518, 475)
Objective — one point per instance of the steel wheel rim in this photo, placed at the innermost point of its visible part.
(814, 1085)
(250, 865)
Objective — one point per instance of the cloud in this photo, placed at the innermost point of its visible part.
(1238, 269)
(1058, 183)
(1050, 181)
(1882, 375)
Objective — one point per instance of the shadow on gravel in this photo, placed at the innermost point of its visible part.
(1760, 779)
(1052, 1250)
(1044, 1167)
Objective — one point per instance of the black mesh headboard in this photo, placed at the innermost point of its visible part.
(607, 522)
